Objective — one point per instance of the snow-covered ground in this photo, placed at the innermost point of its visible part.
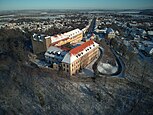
(41, 63)
(106, 68)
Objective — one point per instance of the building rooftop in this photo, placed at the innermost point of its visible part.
(79, 51)
(57, 38)
(81, 47)
(55, 52)
(70, 34)
(109, 30)
(73, 33)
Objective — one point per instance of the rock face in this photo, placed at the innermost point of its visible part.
(25, 89)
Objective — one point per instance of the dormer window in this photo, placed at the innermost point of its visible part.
(54, 52)
(49, 52)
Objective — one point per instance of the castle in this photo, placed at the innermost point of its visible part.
(66, 52)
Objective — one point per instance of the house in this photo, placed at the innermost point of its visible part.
(150, 33)
(110, 33)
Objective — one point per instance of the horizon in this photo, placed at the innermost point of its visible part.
(6, 5)
(75, 9)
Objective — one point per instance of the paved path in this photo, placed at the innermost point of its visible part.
(121, 65)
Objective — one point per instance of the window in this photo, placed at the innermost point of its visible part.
(67, 70)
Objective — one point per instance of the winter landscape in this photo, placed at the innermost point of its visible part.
(89, 58)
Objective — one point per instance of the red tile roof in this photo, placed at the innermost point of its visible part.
(64, 48)
(81, 47)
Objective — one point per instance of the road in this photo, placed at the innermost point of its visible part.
(91, 28)
(121, 65)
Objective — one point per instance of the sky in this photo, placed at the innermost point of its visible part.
(75, 4)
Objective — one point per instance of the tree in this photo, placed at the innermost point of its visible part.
(123, 49)
(12, 43)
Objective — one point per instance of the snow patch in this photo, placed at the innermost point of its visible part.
(106, 68)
